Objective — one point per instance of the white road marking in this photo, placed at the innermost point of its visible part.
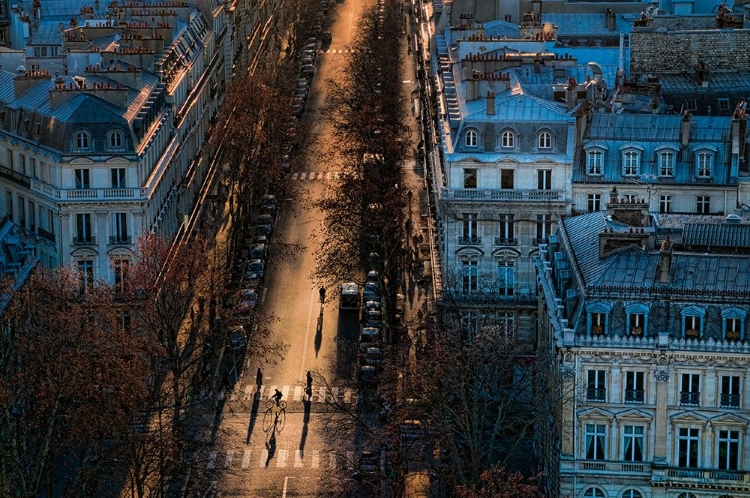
(350, 460)
(298, 458)
(281, 462)
(315, 459)
(313, 302)
(246, 459)
(211, 460)
(230, 457)
(297, 393)
(263, 458)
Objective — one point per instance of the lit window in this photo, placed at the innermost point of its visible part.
(508, 140)
(545, 140)
(471, 138)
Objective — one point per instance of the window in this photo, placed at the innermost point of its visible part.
(666, 163)
(86, 275)
(733, 324)
(470, 272)
(32, 216)
(687, 448)
(545, 140)
(692, 326)
(730, 391)
(690, 389)
(596, 389)
(9, 204)
(471, 138)
(703, 162)
(703, 204)
(544, 179)
(126, 321)
(723, 104)
(598, 323)
(508, 140)
(22, 212)
(83, 229)
(120, 229)
(632, 443)
(729, 446)
(635, 324)
(506, 178)
(470, 178)
(507, 230)
(634, 392)
(593, 493)
(470, 229)
(594, 202)
(630, 162)
(115, 140)
(630, 198)
(505, 277)
(543, 228)
(507, 322)
(632, 493)
(665, 203)
(594, 160)
(595, 443)
(121, 267)
(81, 140)
(508, 18)
(82, 179)
(32, 167)
(118, 177)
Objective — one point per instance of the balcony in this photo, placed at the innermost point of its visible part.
(720, 479)
(634, 396)
(502, 241)
(87, 194)
(469, 241)
(120, 240)
(730, 400)
(632, 469)
(84, 241)
(596, 394)
(15, 176)
(491, 195)
(46, 234)
(690, 398)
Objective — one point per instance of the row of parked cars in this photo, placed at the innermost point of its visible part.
(371, 334)
(251, 267)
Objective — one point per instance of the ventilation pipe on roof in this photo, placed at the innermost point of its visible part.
(665, 260)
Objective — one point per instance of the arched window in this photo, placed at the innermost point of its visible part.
(686, 495)
(509, 140)
(115, 140)
(471, 138)
(594, 162)
(594, 493)
(545, 140)
(632, 493)
(82, 140)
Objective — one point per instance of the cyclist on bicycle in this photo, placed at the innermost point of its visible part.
(277, 396)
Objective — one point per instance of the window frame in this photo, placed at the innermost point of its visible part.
(737, 316)
(544, 140)
(635, 438)
(730, 390)
(631, 162)
(703, 204)
(470, 229)
(666, 169)
(82, 140)
(470, 173)
(665, 203)
(115, 139)
(471, 139)
(704, 160)
(596, 385)
(594, 441)
(544, 179)
(594, 162)
(688, 316)
(506, 277)
(470, 275)
(635, 387)
(733, 460)
(690, 389)
(637, 310)
(594, 203)
(692, 437)
(118, 178)
(597, 309)
(508, 139)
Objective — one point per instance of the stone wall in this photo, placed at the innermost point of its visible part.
(681, 51)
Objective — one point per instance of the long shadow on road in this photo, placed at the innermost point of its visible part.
(306, 421)
(253, 417)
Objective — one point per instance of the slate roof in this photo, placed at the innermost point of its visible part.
(580, 24)
(633, 267)
(716, 235)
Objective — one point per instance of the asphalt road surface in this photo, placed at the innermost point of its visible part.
(307, 448)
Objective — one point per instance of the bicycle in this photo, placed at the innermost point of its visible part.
(275, 416)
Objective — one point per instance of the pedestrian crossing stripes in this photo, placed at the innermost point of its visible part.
(318, 175)
(340, 51)
(320, 394)
(282, 459)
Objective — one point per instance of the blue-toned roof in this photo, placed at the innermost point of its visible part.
(501, 28)
(516, 105)
(583, 241)
(580, 24)
(634, 127)
(716, 235)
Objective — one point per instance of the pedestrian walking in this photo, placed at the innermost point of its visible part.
(308, 389)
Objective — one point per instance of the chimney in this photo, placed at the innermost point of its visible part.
(571, 93)
(490, 103)
(685, 129)
(665, 260)
(739, 130)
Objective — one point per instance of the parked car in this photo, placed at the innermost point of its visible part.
(255, 269)
(270, 200)
(236, 338)
(258, 251)
(326, 37)
(370, 356)
(367, 375)
(370, 336)
(308, 69)
(372, 277)
(373, 318)
(371, 292)
(249, 297)
(266, 220)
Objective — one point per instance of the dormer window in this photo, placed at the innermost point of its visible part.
(598, 319)
(666, 163)
(508, 140)
(471, 138)
(733, 323)
(704, 164)
(594, 161)
(115, 140)
(692, 322)
(82, 140)
(637, 319)
(631, 160)
(545, 140)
